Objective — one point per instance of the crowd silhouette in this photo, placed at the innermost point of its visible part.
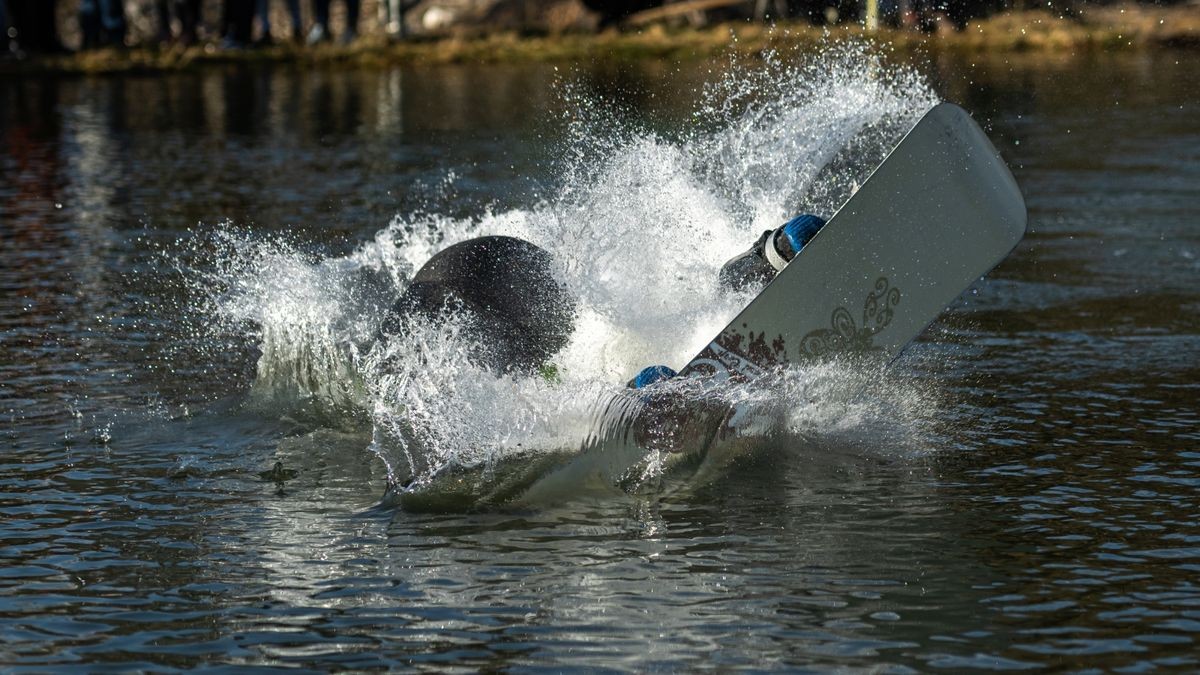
(32, 26)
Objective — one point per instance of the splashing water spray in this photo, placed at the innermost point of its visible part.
(768, 141)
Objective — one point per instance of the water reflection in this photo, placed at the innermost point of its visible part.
(1052, 518)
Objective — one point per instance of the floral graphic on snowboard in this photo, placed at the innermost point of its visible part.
(744, 354)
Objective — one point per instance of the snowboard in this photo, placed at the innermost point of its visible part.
(938, 213)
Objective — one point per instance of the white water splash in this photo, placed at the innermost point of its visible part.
(639, 227)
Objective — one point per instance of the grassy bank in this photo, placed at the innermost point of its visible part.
(1108, 28)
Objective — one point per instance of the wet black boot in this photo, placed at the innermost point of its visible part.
(770, 253)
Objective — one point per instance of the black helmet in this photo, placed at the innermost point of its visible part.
(506, 289)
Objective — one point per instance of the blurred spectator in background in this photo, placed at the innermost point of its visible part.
(237, 23)
(187, 12)
(102, 23)
(391, 17)
(34, 25)
(320, 30)
(264, 21)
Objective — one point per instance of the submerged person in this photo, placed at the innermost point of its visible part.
(506, 291)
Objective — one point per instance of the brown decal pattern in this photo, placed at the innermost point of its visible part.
(743, 354)
(739, 355)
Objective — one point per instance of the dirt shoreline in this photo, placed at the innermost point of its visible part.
(1094, 29)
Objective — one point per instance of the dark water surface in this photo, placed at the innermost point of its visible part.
(1052, 518)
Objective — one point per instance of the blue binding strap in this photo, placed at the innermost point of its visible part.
(652, 374)
(801, 229)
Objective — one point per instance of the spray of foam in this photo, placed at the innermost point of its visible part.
(639, 226)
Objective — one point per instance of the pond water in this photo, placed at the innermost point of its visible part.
(199, 433)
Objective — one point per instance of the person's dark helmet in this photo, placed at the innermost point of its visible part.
(506, 288)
